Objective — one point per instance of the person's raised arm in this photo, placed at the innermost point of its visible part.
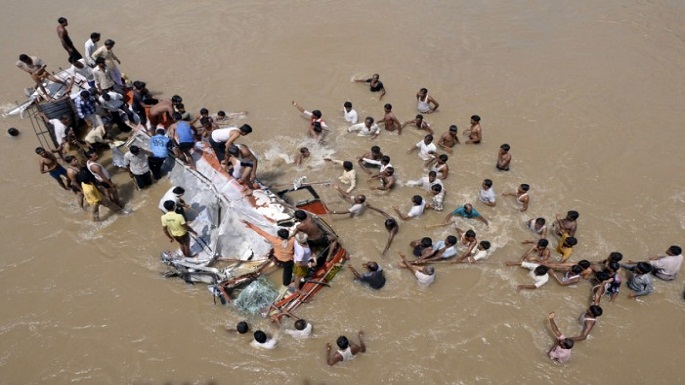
(354, 272)
(553, 325)
(388, 216)
(587, 328)
(299, 108)
(382, 93)
(332, 359)
(391, 236)
(406, 263)
(482, 219)
(362, 346)
(404, 217)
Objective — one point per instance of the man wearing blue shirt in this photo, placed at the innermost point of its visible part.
(465, 211)
(159, 146)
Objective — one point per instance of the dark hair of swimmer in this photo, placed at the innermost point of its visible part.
(300, 324)
(390, 224)
(541, 270)
(300, 215)
(596, 311)
(245, 129)
(342, 342)
(283, 234)
(614, 266)
(615, 256)
(260, 336)
(347, 165)
(417, 200)
(485, 245)
(643, 268)
(426, 242)
(242, 327)
(602, 276)
(570, 241)
(543, 242)
(470, 234)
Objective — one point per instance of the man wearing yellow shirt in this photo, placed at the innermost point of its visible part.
(565, 246)
(176, 228)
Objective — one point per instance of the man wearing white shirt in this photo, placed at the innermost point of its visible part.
(113, 103)
(91, 47)
(303, 329)
(426, 182)
(416, 210)
(426, 148)
(349, 114)
(368, 128)
(425, 275)
(61, 126)
(487, 194)
(81, 67)
(262, 341)
(538, 273)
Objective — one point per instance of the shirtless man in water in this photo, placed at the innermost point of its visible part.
(503, 158)
(315, 236)
(419, 123)
(449, 139)
(474, 133)
(566, 225)
(387, 178)
(389, 120)
(48, 164)
(161, 112)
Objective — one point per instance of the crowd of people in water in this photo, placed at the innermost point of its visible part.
(111, 101)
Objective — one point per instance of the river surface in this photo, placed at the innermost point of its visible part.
(589, 95)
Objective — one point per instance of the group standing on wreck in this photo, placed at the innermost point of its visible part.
(107, 100)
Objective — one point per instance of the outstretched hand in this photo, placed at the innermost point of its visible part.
(551, 316)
